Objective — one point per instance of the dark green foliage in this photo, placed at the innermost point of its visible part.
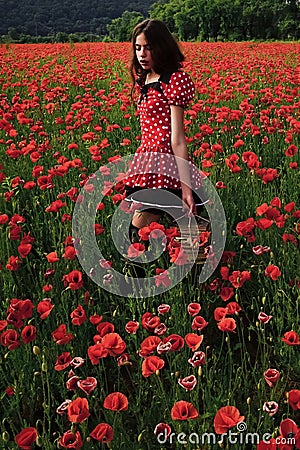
(48, 17)
(92, 20)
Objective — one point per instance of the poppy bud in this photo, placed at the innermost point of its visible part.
(199, 371)
(140, 436)
(39, 441)
(36, 350)
(44, 367)
(263, 300)
(5, 436)
(248, 400)
(36, 374)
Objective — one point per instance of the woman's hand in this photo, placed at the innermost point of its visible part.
(188, 201)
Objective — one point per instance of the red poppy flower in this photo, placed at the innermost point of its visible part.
(238, 278)
(124, 360)
(227, 417)
(14, 263)
(132, 326)
(3, 324)
(193, 309)
(102, 433)
(96, 352)
(220, 313)
(178, 256)
(162, 277)
(260, 249)
(151, 364)
(294, 399)
(289, 207)
(52, 257)
(10, 391)
(288, 428)
(23, 308)
(291, 150)
(227, 324)
(26, 438)
(24, 249)
(114, 344)
(288, 237)
(163, 348)
(162, 429)
(150, 321)
(199, 323)
(188, 383)
(116, 401)
(95, 319)
(246, 229)
(78, 410)
(28, 334)
(78, 316)
(226, 293)
(135, 250)
(291, 338)
(183, 410)
(63, 361)
(9, 338)
(3, 218)
(193, 341)
(71, 440)
(77, 362)
(60, 335)
(271, 376)
(69, 253)
(73, 280)
(87, 385)
(198, 359)
(104, 328)
(233, 308)
(71, 383)
(272, 272)
(271, 408)
(263, 317)
(176, 340)
(44, 308)
(55, 206)
(149, 345)
(163, 308)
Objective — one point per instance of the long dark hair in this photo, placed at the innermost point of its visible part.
(165, 51)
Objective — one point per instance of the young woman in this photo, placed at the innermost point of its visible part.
(162, 160)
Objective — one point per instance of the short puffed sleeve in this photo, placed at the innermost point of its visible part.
(180, 90)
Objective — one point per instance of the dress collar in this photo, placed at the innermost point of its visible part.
(164, 78)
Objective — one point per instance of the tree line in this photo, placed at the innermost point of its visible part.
(206, 20)
(202, 20)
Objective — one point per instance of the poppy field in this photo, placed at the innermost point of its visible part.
(203, 365)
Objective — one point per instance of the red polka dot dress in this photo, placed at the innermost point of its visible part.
(154, 165)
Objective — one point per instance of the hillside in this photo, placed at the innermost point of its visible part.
(47, 17)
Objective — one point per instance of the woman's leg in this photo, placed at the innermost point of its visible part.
(144, 218)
